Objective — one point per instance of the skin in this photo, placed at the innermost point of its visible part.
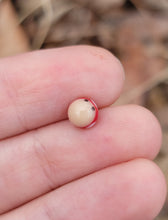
(50, 169)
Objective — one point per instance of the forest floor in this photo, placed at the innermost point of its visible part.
(136, 31)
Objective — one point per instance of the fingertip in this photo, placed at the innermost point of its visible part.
(154, 186)
(151, 130)
(146, 131)
(104, 54)
(108, 67)
(110, 58)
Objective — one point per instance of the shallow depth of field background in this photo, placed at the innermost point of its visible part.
(136, 31)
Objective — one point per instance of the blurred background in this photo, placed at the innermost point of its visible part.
(136, 31)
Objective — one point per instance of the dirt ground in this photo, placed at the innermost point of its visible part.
(136, 31)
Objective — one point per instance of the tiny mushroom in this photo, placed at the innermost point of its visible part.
(83, 112)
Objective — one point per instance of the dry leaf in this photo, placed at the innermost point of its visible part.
(134, 40)
(12, 38)
(152, 4)
(38, 17)
(75, 29)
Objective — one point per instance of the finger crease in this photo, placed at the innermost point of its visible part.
(46, 165)
(48, 212)
(12, 96)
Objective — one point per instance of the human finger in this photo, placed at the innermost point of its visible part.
(128, 191)
(36, 88)
(39, 161)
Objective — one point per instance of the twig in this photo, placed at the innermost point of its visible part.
(53, 11)
(129, 96)
(44, 26)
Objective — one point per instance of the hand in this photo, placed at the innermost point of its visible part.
(50, 169)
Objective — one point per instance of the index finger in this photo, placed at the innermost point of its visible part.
(36, 88)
